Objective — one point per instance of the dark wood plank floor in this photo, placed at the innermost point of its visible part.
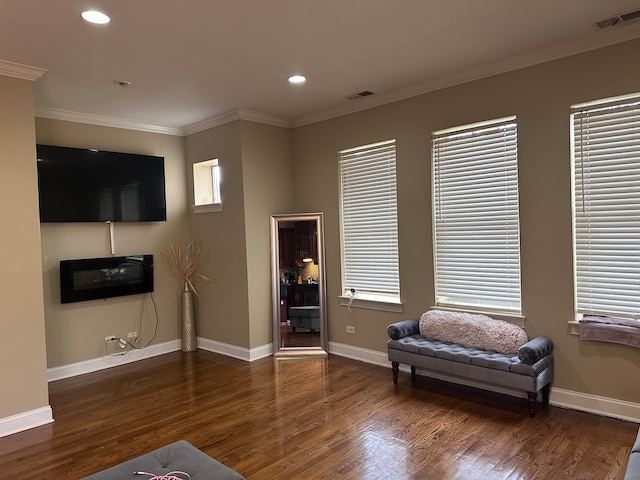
(302, 337)
(329, 418)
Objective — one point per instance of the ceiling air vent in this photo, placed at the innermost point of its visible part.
(619, 19)
(358, 95)
(627, 17)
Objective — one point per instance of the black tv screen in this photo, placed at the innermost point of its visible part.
(86, 185)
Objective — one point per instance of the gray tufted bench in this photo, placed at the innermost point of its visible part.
(530, 370)
(633, 464)
(178, 456)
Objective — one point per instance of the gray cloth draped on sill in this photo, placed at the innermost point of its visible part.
(610, 329)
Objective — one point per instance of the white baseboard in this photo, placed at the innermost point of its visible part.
(108, 361)
(357, 353)
(586, 402)
(25, 421)
(241, 353)
(558, 397)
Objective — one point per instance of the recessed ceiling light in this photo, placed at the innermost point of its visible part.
(93, 16)
(297, 79)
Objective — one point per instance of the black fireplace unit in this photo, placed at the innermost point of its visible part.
(93, 278)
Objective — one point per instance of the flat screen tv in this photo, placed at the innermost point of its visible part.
(86, 185)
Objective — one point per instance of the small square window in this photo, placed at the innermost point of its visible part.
(206, 186)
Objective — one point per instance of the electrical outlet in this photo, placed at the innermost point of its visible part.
(110, 338)
(351, 329)
(132, 334)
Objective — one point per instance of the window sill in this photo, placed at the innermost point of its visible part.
(208, 208)
(573, 327)
(383, 305)
(513, 318)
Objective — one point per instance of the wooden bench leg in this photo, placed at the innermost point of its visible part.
(545, 395)
(533, 401)
(395, 368)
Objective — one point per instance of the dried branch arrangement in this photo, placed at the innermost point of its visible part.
(183, 263)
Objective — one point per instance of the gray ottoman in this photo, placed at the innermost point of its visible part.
(179, 456)
(305, 317)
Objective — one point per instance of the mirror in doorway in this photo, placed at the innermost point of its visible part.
(298, 284)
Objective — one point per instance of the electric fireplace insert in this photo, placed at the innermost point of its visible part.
(94, 278)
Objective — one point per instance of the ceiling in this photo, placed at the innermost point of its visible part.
(191, 63)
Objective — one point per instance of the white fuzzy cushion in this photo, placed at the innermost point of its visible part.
(472, 330)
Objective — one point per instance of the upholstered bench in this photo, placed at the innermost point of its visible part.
(528, 369)
(633, 464)
(180, 456)
(305, 317)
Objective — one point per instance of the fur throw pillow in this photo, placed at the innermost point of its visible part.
(472, 330)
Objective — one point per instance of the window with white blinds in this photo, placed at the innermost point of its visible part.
(475, 216)
(606, 194)
(369, 225)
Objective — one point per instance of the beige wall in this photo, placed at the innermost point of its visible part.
(223, 309)
(256, 181)
(268, 187)
(265, 170)
(75, 332)
(23, 373)
(540, 97)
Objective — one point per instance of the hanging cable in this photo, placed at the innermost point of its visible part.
(352, 294)
(124, 343)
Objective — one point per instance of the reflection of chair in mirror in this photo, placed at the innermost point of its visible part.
(305, 317)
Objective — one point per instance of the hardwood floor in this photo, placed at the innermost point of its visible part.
(302, 337)
(330, 418)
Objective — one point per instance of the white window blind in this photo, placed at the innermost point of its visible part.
(369, 222)
(606, 192)
(475, 218)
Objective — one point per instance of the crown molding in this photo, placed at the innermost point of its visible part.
(591, 42)
(18, 70)
(237, 114)
(212, 122)
(267, 118)
(103, 121)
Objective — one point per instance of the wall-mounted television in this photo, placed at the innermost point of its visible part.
(87, 185)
